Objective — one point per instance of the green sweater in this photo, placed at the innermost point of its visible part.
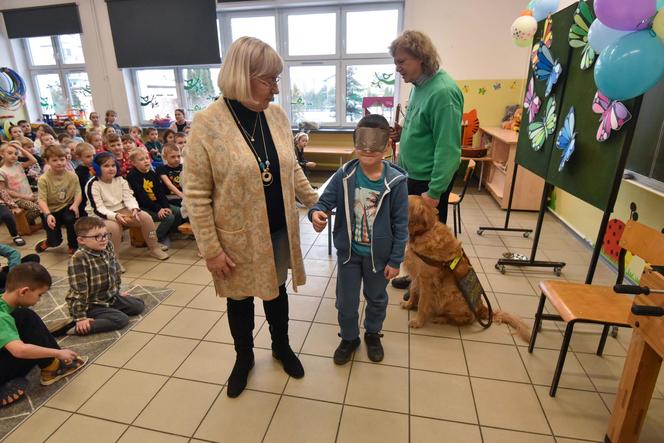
(430, 147)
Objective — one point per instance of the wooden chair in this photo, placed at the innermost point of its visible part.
(456, 199)
(581, 303)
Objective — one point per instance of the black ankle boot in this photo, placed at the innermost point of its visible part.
(276, 312)
(240, 315)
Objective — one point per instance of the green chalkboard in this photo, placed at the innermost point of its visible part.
(591, 171)
(538, 161)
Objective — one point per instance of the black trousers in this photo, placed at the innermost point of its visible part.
(418, 187)
(7, 217)
(32, 330)
(115, 316)
(54, 236)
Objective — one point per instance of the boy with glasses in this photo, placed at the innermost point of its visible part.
(95, 301)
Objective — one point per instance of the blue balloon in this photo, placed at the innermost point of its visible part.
(630, 66)
(542, 8)
(600, 36)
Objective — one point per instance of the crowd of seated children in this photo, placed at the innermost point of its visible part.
(111, 199)
(151, 196)
(59, 200)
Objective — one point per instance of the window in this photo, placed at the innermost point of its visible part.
(57, 69)
(161, 91)
(330, 63)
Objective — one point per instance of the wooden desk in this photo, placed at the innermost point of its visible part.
(502, 150)
(644, 359)
(331, 150)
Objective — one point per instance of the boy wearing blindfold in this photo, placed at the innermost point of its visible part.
(370, 196)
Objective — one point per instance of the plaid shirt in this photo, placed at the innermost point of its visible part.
(94, 279)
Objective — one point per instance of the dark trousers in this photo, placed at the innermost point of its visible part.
(32, 330)
(64, 217)
(4, 271)
(7, 217)
(115, 316)
(167, 224)
(418, 187)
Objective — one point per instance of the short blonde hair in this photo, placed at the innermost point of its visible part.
(82, 147)
(247, 58)
(421, 47)
(135, 153)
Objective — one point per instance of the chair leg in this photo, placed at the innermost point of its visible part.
(459, 216)
(561, 358)
(602, 340)
(538, 323)
(454, 208)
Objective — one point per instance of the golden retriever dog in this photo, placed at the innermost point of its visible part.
(433, 289)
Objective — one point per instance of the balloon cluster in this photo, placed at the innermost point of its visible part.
(524, 27)
(629, 36)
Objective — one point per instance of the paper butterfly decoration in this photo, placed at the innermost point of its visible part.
(566, 138)
(547, 38)
(614, 115)
(578, 33)
(539, 131)
(497, 86)
(481, 91)
(547, 69)
(532, 102)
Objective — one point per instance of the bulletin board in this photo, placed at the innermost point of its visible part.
(538, 161)
(591, 172)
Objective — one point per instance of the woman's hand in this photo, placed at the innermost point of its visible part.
(319, 220)
(220, 266)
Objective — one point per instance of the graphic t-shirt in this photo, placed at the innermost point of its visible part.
(365, 207)
(15, 178)
(173, 174)
(8, 331)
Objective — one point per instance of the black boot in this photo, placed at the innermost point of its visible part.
(240, 315)
(276, 312)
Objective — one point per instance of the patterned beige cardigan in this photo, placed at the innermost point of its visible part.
(226, 204)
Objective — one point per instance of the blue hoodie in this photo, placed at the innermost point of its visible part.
(390, 229)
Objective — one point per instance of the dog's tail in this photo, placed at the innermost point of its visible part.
(520, 327)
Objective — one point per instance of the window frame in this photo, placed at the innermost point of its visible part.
(60, 68)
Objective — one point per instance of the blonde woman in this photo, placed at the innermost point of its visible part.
(429, 152)
(242, 179)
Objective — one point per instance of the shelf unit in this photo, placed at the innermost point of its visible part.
(498, 179)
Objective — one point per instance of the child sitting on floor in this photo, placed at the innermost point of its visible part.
(14, 180)
(95, 301)
(59, 199)
(110, 198)
(24, 339)
(170, 173)
(154, 147)
(151, 196)
(85, 153)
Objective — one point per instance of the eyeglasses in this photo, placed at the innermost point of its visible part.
(98, 237)
(271, 82)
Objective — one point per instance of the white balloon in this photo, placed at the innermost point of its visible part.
(524, 28)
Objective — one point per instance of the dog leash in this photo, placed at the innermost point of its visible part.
(468, 283)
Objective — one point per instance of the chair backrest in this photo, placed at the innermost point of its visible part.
(643, 241)
(466, 178)
(470, 124)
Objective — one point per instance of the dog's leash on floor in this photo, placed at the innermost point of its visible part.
(467, 281)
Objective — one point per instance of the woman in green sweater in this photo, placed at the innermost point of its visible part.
(430, 141)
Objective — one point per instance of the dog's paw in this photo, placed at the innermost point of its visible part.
(406, 305)
(416, 323)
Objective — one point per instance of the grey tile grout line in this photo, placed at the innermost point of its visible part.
(267, 429)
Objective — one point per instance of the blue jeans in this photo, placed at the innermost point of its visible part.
(349, 277)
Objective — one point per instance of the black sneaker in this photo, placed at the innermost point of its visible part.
(345, 351)
(374, 348)
(401, 282)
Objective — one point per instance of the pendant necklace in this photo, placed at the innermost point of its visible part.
(264, 166)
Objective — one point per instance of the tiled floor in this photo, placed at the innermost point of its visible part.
(165, 380)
